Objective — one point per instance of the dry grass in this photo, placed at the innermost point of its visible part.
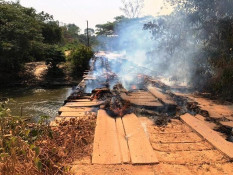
(52, 153)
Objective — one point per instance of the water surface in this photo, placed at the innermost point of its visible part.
(35, 102)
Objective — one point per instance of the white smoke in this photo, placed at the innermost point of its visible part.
(136, 51)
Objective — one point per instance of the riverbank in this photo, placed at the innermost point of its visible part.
(37, 91)
(38, 74)
(35, 102)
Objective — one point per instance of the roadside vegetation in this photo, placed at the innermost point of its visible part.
(36, 148)
(28, 36)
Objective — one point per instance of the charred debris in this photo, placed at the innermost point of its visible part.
(101, 84)
(145, 95)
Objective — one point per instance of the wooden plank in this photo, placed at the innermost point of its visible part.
(145, 101)
(227, 123)
(75, 109)
(84, 104)
(122, 141)
(104, 89)
(76, 114)
(72, 114)
(141, 151)
(84, 97)
(80, 100)
(150, 104)
(163, 97)
(106, 146)
(89, 78)
(210, 135)
(139, 97)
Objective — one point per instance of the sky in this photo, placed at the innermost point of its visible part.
(95, 11)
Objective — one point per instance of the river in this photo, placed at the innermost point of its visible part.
(35, 102)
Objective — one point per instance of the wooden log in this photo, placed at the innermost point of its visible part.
(106, 148)
(210, 135)
(141, 151)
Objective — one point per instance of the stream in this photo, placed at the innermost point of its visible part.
(35, 102)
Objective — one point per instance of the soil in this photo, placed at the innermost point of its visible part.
(39, 74)
(217, 115)
(178, 148)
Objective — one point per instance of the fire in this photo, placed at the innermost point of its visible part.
(133, 87)
(96, 95)
(120, 110)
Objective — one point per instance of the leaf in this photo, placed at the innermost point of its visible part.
(50, 134)
(27, 132)
(37, 150)
(38, 163)
(2, 155)
(32, 146)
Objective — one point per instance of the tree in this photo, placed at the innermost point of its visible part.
(105, 29)
(51, 32)
(198, 34)
(73, 30)
(132, 8)
(53, 57)
(110, 28)
(19, 31)
(25, 35)
(80, 58)
(90, 31)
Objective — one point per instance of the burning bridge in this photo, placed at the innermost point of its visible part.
(139, 120)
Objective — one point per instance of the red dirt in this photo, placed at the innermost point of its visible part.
(189, 154)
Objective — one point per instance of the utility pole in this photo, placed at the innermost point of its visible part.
(88, 44)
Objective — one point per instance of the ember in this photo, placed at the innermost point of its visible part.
(133, 87)
(101, 94)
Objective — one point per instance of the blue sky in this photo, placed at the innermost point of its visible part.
(95, 11)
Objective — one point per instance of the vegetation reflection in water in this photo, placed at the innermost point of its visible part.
(35, 102)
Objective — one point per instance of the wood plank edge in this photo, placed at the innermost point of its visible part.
(222, 151)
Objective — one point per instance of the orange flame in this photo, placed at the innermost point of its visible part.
(134, 87)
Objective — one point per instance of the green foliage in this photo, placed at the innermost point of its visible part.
(72, 37)
(51, 32)
(54, 56)
(109, 28)
(80, 58)
(70, 33)
(24, 35)
(105, 29)
(18, 139)
(18, 30)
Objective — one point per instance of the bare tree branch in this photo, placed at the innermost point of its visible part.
(132, 8)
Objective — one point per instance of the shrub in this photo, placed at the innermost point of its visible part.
(80, 58)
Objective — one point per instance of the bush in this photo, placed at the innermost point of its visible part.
(18, 140)
(80, 58)
(53, 57)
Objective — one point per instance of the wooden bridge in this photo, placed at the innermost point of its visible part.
(134, 139)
